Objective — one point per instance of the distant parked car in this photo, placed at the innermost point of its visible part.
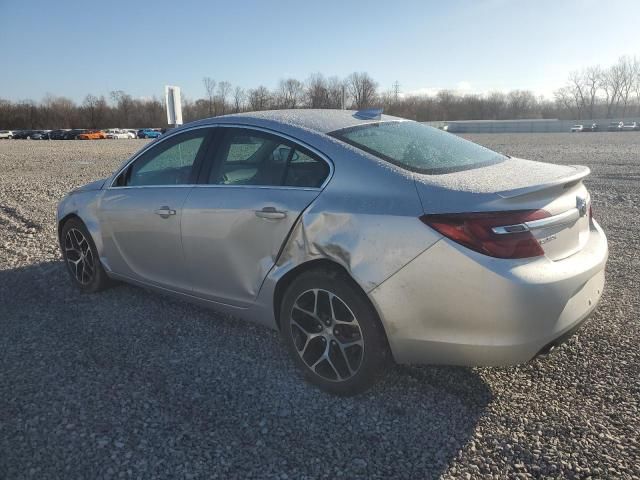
(132, 133)
(632, 126)
(57, 134)
(148, 133)
(6, 134)
(40, 135)
(615, 127)
(92, 135)
(116, 133)
(585, 128)
(34, 135)
(72, 134)
(22, 134)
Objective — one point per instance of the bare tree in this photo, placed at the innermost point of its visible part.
(224, 88)
(591, 80)
(336, 93)
(90, 106)
(317, 92)
(521, 104)
(447, 102)
(124, 106)
(238, 98)
(290, 93)
(611, 83)
(363, 89)
(210, 89)
(577, 90)
(630, 68)
(496, 105)
(259, 98)
(567, 99)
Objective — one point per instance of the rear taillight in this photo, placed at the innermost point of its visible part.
(497, 234)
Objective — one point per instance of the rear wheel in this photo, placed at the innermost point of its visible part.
(81, 258)
(332, 332)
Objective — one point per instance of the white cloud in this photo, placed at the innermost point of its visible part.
(464, 87)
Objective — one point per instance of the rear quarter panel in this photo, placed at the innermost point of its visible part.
(366, 220)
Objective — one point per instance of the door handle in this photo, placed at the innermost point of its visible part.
(165, 212)
(271, 213)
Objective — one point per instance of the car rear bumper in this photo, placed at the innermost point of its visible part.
(454, 306)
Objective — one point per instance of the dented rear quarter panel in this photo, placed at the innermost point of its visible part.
(366, 220)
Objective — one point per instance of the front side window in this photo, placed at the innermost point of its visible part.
(417, 147)
(249, 157)
(168, 163)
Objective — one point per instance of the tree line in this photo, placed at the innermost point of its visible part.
(595, 92)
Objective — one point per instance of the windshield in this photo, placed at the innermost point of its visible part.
(417, 147)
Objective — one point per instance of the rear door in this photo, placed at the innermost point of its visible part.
(141, 212)
(235, 221)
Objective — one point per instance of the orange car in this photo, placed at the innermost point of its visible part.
(92, 135)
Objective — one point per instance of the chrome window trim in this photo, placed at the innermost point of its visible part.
(263, 187)
(161, 139)
(182, 185)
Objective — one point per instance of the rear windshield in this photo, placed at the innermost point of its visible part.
(417, 147)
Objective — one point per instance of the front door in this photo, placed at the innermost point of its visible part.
(235, 222)
(142, 211)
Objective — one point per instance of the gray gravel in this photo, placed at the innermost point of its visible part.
(129, 384)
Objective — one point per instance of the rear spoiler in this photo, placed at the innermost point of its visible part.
(566, 182)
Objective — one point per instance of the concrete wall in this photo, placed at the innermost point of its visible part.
(521, 126)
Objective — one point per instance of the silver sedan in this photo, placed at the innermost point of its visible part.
(361, 237)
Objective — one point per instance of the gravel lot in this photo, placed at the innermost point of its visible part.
(129, 384)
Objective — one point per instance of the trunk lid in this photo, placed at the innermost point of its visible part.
(518, 184)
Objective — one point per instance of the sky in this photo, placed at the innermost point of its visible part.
(73, 48)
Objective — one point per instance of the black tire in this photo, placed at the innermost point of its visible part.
(344, 371)
(85, 270)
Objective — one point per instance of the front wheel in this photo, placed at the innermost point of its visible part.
(333, 332)
(81, 257)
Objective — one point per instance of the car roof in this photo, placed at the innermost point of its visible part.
(317, 120)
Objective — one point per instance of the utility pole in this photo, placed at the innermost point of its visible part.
(396, 91)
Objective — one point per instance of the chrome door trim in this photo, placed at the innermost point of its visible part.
(317, 152)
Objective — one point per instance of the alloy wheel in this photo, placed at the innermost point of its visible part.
(79, 256)
(326, 335)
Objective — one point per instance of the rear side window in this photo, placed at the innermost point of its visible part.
(304, 170)
(417, 147)
(250, 157)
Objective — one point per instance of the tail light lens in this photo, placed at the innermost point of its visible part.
(476, 231)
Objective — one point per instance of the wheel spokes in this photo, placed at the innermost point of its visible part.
(327, 335)
(79, 256)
